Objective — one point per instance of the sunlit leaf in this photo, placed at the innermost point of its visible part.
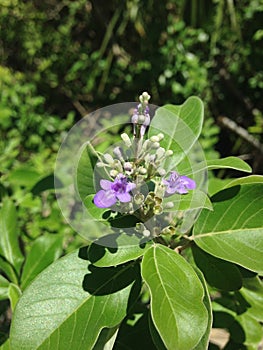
(84, 172)
(69, 303)
(176, 298)
(234, 230)
(14, 294)
(116, 249)
(181, 126)
(203, 343)
(252, 291)
(43, 252)
(228, 163)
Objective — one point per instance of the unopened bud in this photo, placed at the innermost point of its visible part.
(142, 171)
(161, 136)
(154, 138)
(117, 152)
(169, 205)
(161, 171)
(146, 145)
(141, 118)
(169, 153)
(117, 165)
(156, 145)
(127, 166)
(114, 173)
(146, 233)
(144, 97)
(108, 158)
(160, 152)
(126, 139)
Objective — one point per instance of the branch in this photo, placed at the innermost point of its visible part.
(243, 133)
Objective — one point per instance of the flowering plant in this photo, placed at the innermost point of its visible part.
(171, 256)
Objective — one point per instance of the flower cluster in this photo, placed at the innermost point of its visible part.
(136, 164)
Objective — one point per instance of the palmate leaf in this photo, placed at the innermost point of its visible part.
(233, 231)
(177, 294)
(68, 305)
(181, 126)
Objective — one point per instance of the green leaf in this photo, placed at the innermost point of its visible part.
(218, 273)
(69, 303)
(9, 246)
(4, 284)
(46, 183)
(252, 179)
(233, 231)
(252, 291)
(84, 172)
(106, 339)
(14, 294)
(94, 211)
(116, 249)
(23, 176)
(252, 329)
(176, 298)
(43, 252)
(203, 343)
(8, 269)
(181, 126)
(223, 163)
(6, 345)
(134, 332)
(157, 340)
(215, 185)
(228, 163)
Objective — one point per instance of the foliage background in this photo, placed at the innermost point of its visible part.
(60, 60)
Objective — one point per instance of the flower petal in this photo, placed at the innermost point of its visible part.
(123, 197)
(130, 186)
(105, 184)
(104, 199)
(187, 182)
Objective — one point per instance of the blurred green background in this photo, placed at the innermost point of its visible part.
(61, 59)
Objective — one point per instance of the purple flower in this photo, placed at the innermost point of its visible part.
(112, 191)
(178, 184)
